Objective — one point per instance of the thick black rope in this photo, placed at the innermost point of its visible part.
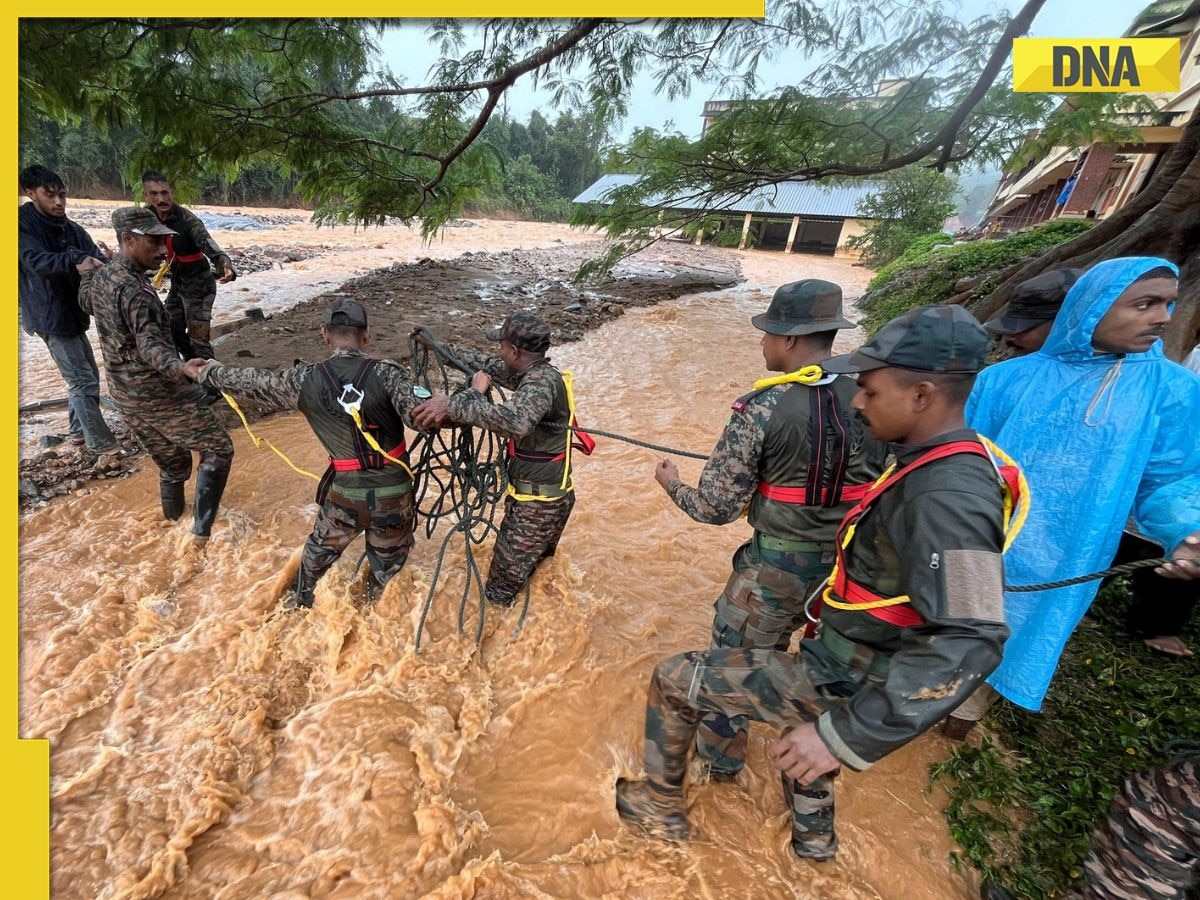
(1124, 569)
(460, 475)
(472, 476)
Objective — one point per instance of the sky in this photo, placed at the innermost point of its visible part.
(408, 53)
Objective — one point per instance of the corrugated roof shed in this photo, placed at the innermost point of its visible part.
(791, 198)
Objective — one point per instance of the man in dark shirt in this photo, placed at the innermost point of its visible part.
(913, 616)
(191, 254)
(54, 254)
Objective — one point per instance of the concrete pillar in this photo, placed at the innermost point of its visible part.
(792, 234)
(699, 237)
(745, 232)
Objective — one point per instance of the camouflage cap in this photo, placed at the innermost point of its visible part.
(803, 307)
(1034, 302)
(139, 220)
(939, 339)
(346, 312)
(524, 331)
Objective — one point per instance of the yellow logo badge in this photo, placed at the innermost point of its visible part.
(1084, 65)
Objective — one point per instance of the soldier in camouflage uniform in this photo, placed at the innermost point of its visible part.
(795, 454)
(193, 254)
(146, 376)
(913, 622)
(362, 489)
(534, 419)
(1149, 846)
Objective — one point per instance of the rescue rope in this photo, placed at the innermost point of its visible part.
(459, 474)
(1123, 569)
(259, 441)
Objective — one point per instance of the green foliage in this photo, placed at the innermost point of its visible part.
(909, 203)
(1024, 815)
(921, 278)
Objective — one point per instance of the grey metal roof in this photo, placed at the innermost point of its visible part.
(791, 198)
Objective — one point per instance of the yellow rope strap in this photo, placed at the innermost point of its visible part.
(375, 444)
(258, 442)
(568, 378)
(807, 375)
(161, 275)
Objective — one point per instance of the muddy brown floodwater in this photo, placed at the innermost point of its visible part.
(207, 745)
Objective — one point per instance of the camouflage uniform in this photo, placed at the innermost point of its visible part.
(145, 376)
(868, 685)
(1149, 846)
(531, 529)
(193, 285)
(791, 553)
(376, 500)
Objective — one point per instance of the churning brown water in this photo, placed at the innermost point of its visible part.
(206, 744)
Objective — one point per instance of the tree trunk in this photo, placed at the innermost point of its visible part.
(1163, 220)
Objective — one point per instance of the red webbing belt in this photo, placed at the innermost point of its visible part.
(353, 465)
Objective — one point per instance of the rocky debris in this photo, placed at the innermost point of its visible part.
(462, 297)
(69, 468)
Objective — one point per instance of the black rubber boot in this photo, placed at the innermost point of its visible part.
(640, 806)
(210, 485)
(171, 493)
(300, 595)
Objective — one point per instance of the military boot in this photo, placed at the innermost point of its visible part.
(171, 493)
(210, 485)
(655, 814)
(813, 811)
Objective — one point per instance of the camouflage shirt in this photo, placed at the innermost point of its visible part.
(140, 359)
(737, 463)
(192, 238)
(534, 416)
(281, 389)
(533, 393)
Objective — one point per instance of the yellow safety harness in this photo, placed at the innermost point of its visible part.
(567, 484)
(1016, 510)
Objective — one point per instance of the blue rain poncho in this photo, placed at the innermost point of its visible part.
(1099, 435)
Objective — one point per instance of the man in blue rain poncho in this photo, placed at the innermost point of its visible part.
(1103, 426)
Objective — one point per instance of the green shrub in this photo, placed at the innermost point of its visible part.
(923, 275)
(1024, 814)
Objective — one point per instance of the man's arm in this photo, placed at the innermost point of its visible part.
(210, 248)
(399, 386)
(143, 315)
(485, 362)
(730, 476)
(266, 387)
(516, 417)
(952, 570)
(37, 257)
(1167, 505)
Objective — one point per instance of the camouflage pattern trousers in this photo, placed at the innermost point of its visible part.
(1149, 846)
(189, 303)
(528, 534)
(169, 434)
(385, 514)
(769, 686)
(761, 607)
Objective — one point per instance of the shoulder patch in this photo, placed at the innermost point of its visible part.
(743, 401)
